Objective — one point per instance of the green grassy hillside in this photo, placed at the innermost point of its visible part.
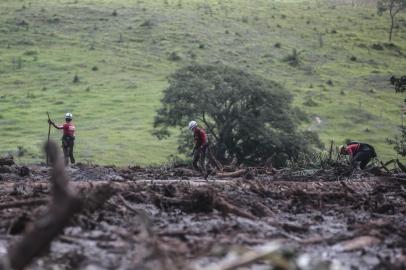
(122, 51)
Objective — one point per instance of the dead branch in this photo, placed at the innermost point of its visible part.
(65, 204)
(46, 228)
(401, 166)
(17, 204)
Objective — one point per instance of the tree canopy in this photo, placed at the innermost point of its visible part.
(247, 116)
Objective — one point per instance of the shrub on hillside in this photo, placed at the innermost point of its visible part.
(293, 58)
(247, 117)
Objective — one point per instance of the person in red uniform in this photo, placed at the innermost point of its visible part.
(360, 153)
(68, 138)
(200, 148)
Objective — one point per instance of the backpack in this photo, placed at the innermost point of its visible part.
(364, 146)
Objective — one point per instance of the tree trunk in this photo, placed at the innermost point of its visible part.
(392, 20)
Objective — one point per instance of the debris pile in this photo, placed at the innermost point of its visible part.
(171, 218)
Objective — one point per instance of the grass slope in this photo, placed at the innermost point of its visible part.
(122, 51)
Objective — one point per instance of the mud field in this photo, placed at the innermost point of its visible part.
(139, 218)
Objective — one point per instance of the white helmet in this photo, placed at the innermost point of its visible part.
(68, 116)
(192, 124)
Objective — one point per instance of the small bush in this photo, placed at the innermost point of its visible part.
(310, 102)
(377, 46)
(330, 82)
(30, 53)
(21, 151)
(342, 92)
(76, 79)
(174, 56)
(283, 16)
(114, 14)
(277, 45)
(201, 46)
(95, 68)
(293, 58)
(353, 58)
(147, 23)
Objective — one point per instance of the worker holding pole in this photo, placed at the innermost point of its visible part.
(68, 138)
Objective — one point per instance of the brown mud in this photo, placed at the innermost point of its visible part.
(173, 219)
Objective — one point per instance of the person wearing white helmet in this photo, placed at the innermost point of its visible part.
(360, 153)
(68, 137)
(200, 148)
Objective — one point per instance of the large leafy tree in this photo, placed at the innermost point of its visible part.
(392, 7)
(399, 141)
(247, 117)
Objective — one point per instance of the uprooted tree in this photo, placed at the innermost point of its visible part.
(247, 117)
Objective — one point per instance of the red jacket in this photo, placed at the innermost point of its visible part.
(200, 137)
(352, 149)
(68, 129)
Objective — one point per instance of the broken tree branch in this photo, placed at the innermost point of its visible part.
(47, 227)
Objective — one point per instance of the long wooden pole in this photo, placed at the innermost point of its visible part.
(49, 132)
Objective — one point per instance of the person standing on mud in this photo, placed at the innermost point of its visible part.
(360, 154)
(200, 148)
(68, 138)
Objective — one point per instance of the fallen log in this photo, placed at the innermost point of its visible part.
(238, 173)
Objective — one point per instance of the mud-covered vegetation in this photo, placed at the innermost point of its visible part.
(169, 218)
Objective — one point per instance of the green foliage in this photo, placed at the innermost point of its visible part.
(248, 117)
(399, 142)
(114, 119)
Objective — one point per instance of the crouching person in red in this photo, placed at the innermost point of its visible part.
(68, 138)
(360, 154)
(200, 148)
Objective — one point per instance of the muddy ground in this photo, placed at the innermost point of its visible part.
(173, 219)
